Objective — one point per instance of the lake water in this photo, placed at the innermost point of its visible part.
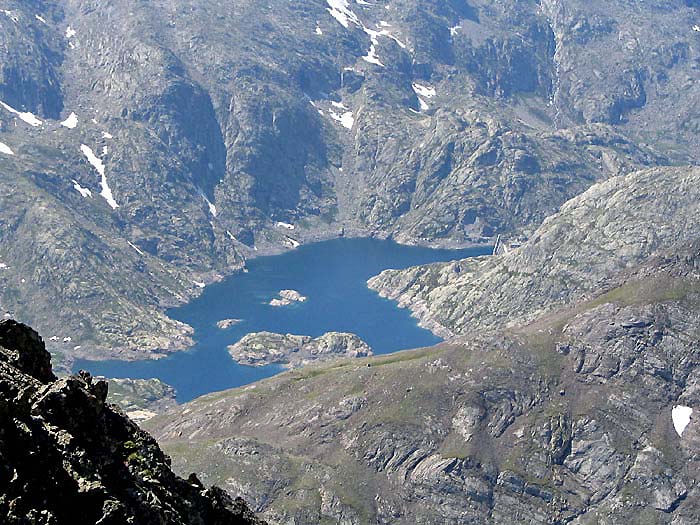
(332, 274)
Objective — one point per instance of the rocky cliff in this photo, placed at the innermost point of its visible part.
(68, 457)
(139, 163)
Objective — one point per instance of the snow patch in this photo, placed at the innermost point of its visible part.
(71, 122)
(83, 191)
(292, 243)
(10, 15)
(319, 31)
(4, 148)
(454, 30)
(696, 28)
(70, 32)
(106, 135)
(423, 90)
(371, 55)
(96, 163)
(346, 119)
(340, 10)
(285, 225)
(25, 116)
(681, 418)
(199, 284)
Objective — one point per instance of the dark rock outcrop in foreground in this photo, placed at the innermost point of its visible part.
(68, 457)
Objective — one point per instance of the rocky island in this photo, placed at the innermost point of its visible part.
(225, 324)
(287, 297)
(294, 351)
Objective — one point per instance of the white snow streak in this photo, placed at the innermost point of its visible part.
(83, 191)
(106, 192)
(41, 19)
(681, 418)
(71, 122)
(4, 148)
(135, 247)
(212, 208)
(27, 117)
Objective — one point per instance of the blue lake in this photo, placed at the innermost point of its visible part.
(332, 274)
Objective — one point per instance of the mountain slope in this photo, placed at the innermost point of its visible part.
(207, 126)
(67, 457)
(567, 420)
(614, 225)
(559, 408)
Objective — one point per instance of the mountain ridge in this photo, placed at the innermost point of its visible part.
(479, 119)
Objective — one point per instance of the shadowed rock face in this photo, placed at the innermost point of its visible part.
(67, 457)
(480, 118)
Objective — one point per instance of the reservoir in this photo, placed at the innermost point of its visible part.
(332, 274)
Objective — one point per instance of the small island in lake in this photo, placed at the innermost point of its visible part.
(287, 297)
(294, 351)
(225, 324)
